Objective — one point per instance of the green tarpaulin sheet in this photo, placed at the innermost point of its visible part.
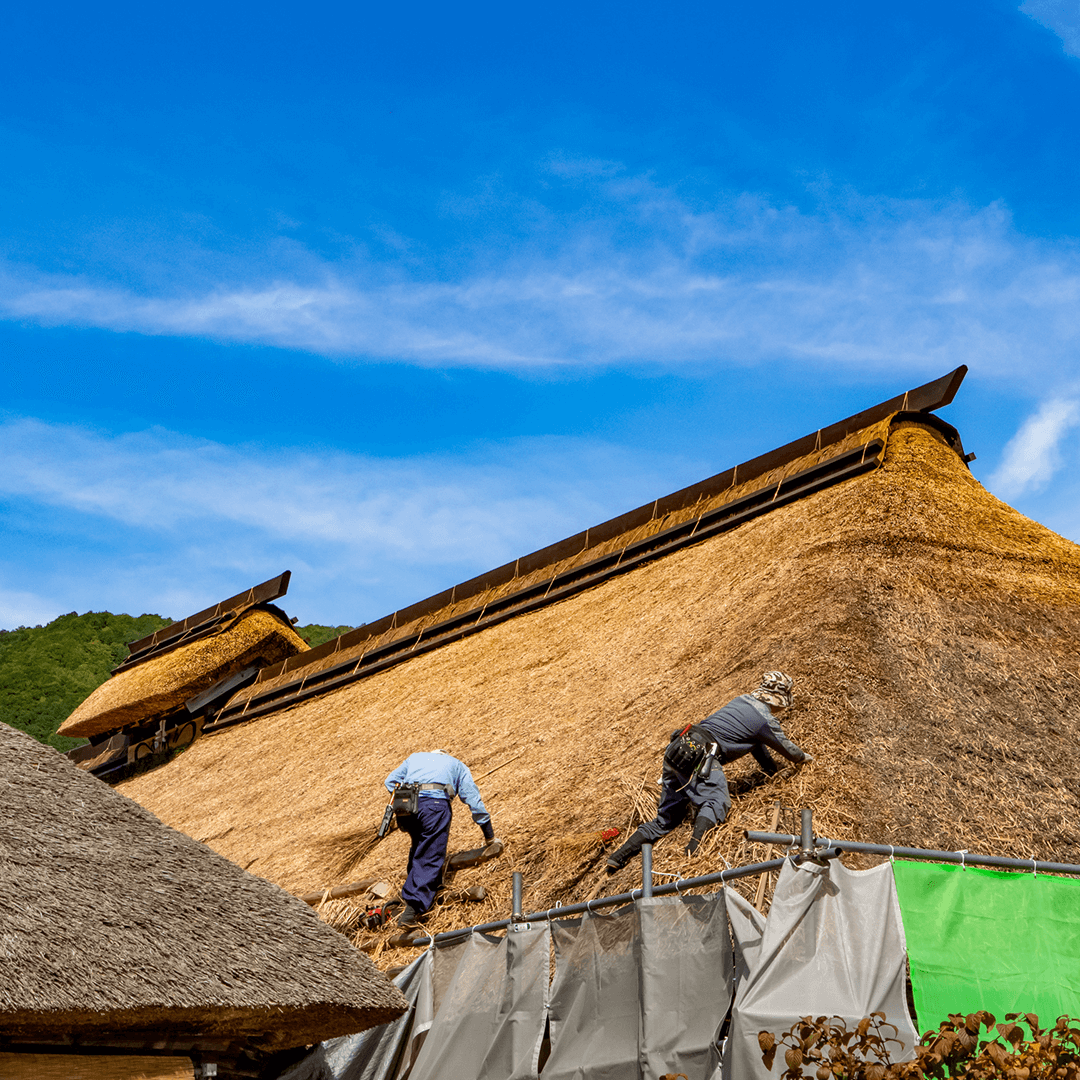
(984, 939)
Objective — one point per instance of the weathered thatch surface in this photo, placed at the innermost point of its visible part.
(112, 922)
(165, 681)
(930, 628)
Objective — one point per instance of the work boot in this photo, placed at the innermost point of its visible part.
(621, 856)
(408, 917)
(701, 827)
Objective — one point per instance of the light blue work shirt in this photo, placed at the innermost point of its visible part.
(428, 768)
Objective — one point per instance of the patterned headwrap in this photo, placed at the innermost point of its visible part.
(775, 689)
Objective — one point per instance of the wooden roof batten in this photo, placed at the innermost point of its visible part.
(310, 680)
(205, 622)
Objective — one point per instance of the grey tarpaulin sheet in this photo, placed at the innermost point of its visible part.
(686, 982)
(380, 1052)
(833, 945)
(490, 1021)
(640, 993)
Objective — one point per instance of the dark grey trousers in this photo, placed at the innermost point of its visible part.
(677, 796)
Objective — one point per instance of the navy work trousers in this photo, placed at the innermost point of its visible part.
(428, 830)
(677, 795)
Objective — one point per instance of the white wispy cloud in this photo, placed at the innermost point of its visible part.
(1060, 16)
(1033, 455)
(158, 518)
(649, 278)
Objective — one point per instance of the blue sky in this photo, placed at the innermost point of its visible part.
(389, 296)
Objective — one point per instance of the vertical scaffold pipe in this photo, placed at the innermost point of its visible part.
(646, 871)
(515, 913)
(806, 841)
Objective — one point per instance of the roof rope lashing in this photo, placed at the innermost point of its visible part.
(962, 852)
(1034, 868)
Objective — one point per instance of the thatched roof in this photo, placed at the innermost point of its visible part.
(168, 680)
(112, 922)
(930, 628)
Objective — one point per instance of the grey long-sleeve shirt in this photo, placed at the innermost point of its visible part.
(747, 726)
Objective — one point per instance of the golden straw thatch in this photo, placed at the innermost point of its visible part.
(930, 628)
(168, 680)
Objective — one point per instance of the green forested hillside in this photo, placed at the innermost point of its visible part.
(314, 634)
(45, 671)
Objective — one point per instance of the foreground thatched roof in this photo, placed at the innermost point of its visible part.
(112, 922)
(259, 636)
(930, 628)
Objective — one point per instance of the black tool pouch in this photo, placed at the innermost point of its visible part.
(686, 752)
(406, 800)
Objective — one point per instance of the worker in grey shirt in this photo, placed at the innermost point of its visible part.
(693, 773)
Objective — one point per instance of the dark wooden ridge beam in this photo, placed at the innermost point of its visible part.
(202, 622)
(548, 591)
(562, 585)
(923, 399)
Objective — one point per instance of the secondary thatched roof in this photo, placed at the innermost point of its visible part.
(930, 628)
(166, 681)
(112, 922)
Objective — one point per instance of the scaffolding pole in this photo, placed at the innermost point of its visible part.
(964, 858)
(609, 901)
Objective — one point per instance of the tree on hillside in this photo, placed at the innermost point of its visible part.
(45, 671)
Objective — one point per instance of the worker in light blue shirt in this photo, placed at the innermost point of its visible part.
(440, 777)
